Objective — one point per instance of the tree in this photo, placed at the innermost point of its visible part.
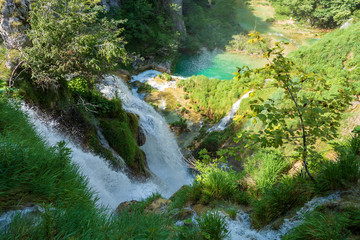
(305, 113)
(70, 39)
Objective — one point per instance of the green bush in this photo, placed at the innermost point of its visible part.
(216, 183)
(331, 224)
(213, 226)
(279, 199)
(266, 168)
(345, 171)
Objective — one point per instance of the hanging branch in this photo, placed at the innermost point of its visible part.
(11, 80)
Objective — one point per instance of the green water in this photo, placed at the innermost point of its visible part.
(223, 65)
(215, 64)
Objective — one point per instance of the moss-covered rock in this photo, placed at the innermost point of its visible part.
(123, 141)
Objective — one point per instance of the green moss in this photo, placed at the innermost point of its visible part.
(95, 145)
(133, 122)
(121, 139)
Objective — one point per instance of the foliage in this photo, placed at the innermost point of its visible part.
(31, 170)
(302, 115)
(148, 27)
(265, 168)
(213, 226)
(323, 13)
(279, 199)
(327, 225)
(69, 39)
(240, 43)
(122, 140)
(345, 171)
(180, 123)
(165, 76)
(216, 182)
(210, 26)
(213, 97)
(335, 57)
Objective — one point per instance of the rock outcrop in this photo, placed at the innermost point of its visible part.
(14, 16)
(108, 4)
(176, 14)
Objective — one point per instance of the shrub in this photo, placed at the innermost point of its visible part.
(213, 226)
(216, 183)
(327, 225)
(345, 171)
(266, 168)
(279, 199)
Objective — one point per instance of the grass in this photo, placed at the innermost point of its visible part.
(31, 169)
(213, 226)
(329, 224)
(266, 167)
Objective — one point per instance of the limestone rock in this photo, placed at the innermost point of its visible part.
(184, 214)
(14, 22)
(124, 205)
(141, 138)
(158, 206)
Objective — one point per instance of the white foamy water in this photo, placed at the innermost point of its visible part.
(225, 121)
(149, 78)
(113, 187)
(162, 151)
(240, 227)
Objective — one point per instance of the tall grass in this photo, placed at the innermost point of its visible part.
(213, 226)
(327, 225)
(279, 199)
(345, 171)
(216, 182)
(266, 168)
(31, 171)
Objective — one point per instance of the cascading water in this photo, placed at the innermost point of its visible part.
(240, 228)
(161, 150)
(224, 122)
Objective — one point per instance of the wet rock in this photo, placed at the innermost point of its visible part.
(184, 214)
(158, 206)
(125, 205)
(141, 138)
(199, 208)
(179, 129)
(141, 65)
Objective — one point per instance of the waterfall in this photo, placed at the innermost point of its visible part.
(240, 228)
(113, 187)
(162, 151)
(224, 122)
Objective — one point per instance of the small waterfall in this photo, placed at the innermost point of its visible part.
(240, 228)
(149, 78)
(224, 122)
(113, 187)
(162, 152)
